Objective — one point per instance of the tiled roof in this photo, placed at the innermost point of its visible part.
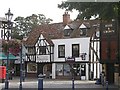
(90, 24)
(50, 31)
(56, 31)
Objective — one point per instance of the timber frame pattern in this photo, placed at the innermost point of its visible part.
(94, 52)
(37, 50)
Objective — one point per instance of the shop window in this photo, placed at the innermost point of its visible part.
(63, 70)
(59, 69)
(61, 51)
(75, 50)
(66, 70)
(32, 68)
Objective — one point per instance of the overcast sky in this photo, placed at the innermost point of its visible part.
(28, 7)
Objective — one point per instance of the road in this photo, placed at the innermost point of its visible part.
(57, 85)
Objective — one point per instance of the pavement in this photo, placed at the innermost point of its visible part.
(55, 84)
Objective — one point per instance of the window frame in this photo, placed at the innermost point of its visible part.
(77, 55)
(31, 68)
(67, 32)
(42, 50)
(59, 51)
(83, 31)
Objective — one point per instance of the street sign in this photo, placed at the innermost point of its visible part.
(70, 59)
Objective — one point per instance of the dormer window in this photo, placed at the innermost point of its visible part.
(67, 30)
(83, 30)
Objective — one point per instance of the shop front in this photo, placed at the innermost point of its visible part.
(66, 71)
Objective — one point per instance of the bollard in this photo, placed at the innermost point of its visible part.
(40, 82)
(23, 76)
(106, 85)
(73, 84)
(6, 85)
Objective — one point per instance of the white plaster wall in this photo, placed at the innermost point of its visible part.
(87, 70)
(83, 45)
(53, 71)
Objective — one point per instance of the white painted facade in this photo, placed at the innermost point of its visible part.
(83, 48)
(83, 45)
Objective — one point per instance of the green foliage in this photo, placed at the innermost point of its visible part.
(17, 36)
(102, 10)
(22, 26)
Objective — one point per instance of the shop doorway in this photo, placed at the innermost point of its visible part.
(110, 73)
(47, 70)
(82, 71)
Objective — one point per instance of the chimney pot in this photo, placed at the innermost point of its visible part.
(66, 18)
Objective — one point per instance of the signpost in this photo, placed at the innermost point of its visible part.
(71, 61)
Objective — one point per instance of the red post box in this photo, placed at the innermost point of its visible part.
(2, 73)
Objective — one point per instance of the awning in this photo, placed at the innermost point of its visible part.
(4, 57)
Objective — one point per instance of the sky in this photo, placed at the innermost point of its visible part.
(28, 7)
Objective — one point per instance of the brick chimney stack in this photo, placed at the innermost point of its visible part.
(66, 18)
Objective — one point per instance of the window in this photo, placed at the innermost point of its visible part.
(59, 69)
(67, 32)
(31, 67)
(75, 50)
(31, 50)
(42, 50)
(63, 70)
(83, 32)
(66, 70)
(61, 51)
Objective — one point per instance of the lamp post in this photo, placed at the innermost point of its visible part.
(21, 73)
(9, 25)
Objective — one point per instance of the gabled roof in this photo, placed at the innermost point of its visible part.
(90, 26)
(82, 26)
(49, 31)
(67, 27)
(56, 31)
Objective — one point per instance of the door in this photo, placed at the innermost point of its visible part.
(17, 70)
(83, 71)
(110, 73)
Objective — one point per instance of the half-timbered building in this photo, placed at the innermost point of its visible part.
(52, 47)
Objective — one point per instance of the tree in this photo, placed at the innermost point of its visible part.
(22, 26)
(102, 10)
(13, 46)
